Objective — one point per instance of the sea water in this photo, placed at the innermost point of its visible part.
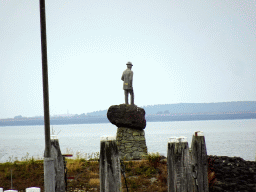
(222, 137)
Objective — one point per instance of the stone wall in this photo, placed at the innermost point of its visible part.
(131, 143)
(232, 174)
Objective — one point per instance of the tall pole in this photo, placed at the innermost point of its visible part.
(49, 174)
(45, 79)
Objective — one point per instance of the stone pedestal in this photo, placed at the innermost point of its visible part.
(130, 137)
(131, 143)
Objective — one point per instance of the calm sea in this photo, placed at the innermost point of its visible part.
(222, 137)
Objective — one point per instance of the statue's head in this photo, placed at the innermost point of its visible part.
(129, 65)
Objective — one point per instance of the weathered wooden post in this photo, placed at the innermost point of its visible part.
(199, 162)
(110, 172)
(58, 164)
(170, 164)
(178, 162)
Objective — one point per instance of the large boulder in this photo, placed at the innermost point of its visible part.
(129, 116)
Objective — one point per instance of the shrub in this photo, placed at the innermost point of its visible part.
(154, 159)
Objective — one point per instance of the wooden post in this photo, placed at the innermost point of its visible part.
(58, 164)
(170, 164)
(66, 170)
(110, 172)
(178, 162)
(199, 162)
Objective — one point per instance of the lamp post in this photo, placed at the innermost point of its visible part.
(49, 175)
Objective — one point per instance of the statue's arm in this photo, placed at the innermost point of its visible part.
(122, 78)
(131, 78)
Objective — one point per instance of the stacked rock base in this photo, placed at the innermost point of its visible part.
(131, 143)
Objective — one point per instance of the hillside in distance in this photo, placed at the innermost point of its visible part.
(154, 113)
(192, 108)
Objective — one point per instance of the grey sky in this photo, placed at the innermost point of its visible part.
(182, 52)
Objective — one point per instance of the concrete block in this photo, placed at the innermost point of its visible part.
(49, 175)
(33, 189)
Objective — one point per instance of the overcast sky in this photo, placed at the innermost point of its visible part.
(182, 52)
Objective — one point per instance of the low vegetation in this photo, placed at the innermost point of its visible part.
(149, 174)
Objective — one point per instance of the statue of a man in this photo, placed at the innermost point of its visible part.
(127, 77)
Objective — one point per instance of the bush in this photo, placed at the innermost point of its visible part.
(154, 159)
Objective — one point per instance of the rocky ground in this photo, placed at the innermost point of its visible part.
(232, 174)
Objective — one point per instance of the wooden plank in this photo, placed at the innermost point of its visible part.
(67, 155)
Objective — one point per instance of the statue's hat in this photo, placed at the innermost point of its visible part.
(129, 63)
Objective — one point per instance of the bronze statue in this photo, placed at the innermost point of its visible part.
(127, 77)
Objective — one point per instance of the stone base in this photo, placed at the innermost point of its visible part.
(131, 143)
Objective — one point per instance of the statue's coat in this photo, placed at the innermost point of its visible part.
(127, 77)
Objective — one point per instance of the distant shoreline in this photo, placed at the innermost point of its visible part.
(149, 118)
